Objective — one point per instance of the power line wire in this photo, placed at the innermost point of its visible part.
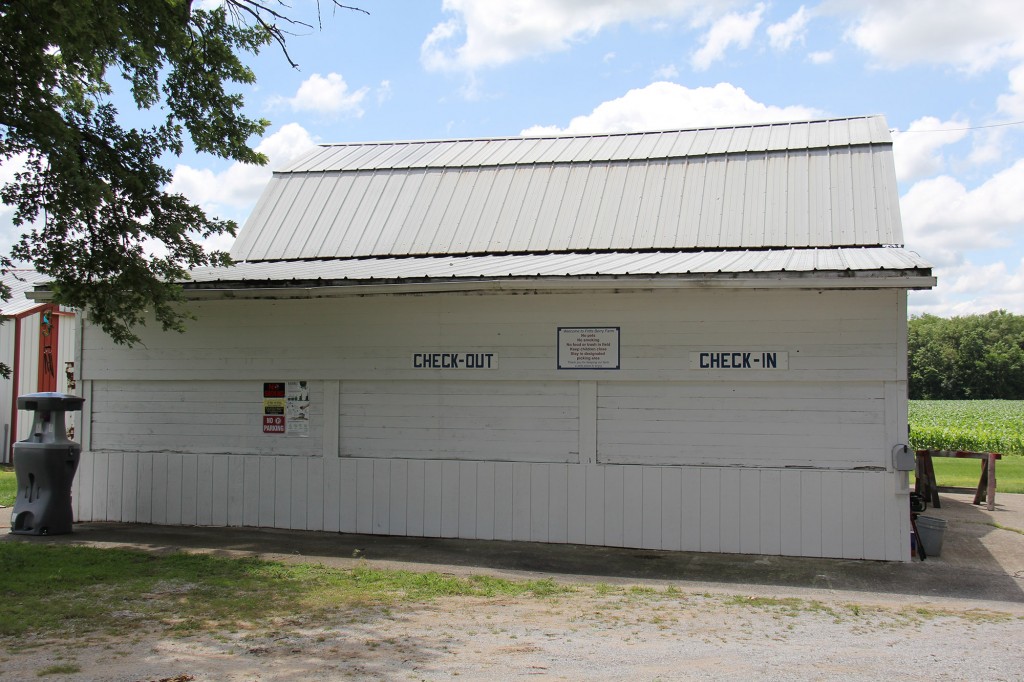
(956, 130)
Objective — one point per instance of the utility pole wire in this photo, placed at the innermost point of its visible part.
(956, 130)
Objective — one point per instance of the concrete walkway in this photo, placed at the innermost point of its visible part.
(981, 564)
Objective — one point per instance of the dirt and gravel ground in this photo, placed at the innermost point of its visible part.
(956, 617)
(584, 636)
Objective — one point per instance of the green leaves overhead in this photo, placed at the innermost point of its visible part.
(91, 196)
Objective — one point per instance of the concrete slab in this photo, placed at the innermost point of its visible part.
(981, 565)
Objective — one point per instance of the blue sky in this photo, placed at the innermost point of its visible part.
(948, 75)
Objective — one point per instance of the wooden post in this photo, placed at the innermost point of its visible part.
(981, 492)
(931, 484)
(991, 481)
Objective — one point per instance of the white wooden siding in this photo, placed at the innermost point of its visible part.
(28, 369)
(830, 336)
(510, 421)
(846, 514)
(194, 417)
(779, 424)
(653, 455)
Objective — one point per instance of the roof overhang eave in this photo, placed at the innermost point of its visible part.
(888, 279)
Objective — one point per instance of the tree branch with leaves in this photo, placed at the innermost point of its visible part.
(91, 196)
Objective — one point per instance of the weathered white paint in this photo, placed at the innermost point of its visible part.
(506, 421)
(192, 417)
(711, 509)
(780, 424)
(656, 454)
(830, 336)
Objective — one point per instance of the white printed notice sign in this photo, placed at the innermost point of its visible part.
(588, 348)
(286, 408)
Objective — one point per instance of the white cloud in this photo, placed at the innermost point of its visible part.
(1012, 103)
(782, 35)
(9, 233)
(988, 146)
(326, 95)
(916, 150)
(667, 72)
(967, 289)
(226, 194)
(667, 106)
(820, 57)
(229, 193)
(486, 33)
(237, 188)
(10, 167)
(432, 51)
(943, 219)
(383, 92)
(732, 29)
(972, 36)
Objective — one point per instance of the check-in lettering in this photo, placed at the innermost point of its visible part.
(739, 360)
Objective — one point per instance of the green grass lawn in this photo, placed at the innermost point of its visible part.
(8, 486)
(67, 590)
(965, 473)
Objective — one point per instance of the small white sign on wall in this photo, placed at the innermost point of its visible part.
(588, 348)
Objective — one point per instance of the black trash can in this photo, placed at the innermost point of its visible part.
(44, 466)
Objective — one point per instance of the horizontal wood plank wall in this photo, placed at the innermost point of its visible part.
(830, 336)
(195, 417)
(503, 421)
(845, 514)
(838, 426)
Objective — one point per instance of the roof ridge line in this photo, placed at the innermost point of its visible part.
(563, 136)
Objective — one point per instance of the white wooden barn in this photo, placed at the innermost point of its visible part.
(37, 341)
(688, 340)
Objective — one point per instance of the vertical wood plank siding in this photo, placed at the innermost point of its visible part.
(708, 509)
(657, 454)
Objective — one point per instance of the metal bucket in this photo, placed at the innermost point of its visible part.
(931, 530)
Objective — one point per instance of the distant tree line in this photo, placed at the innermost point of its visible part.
(966, 358)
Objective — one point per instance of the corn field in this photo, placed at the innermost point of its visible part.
(978, 425)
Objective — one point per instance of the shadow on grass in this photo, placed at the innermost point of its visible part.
(981, 576)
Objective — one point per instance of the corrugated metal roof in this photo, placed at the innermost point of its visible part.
(639, 146)
(817, 198)
(568, 265)
(21, 281)
(815, 184)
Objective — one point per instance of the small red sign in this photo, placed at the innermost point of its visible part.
(273, 390)
(272, 424)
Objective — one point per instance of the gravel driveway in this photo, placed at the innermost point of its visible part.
(596, 633)
(956, 617)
